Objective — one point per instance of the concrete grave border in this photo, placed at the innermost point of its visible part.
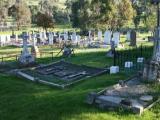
(20, 73)
(93, 96)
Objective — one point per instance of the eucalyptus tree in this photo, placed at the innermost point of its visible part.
(21, 13)
(112, 14)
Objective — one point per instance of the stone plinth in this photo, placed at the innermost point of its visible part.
(151, 72)
(26, 59)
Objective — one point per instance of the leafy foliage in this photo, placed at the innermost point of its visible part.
(44, 20)
(21, 12)
(101, 13)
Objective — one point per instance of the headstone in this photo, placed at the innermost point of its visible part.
(151, 72)
(133, 37)
(26, 58)
(99, 35)
(40, 36)
(44, 36)
(140, 60)
(16, 38)
(107, 37)
(74, 37)
(114, 69)
(78, 38)
(3, 40)
(65, 36)
(128, 36)
(128, 64)
(89, 35)
(50, 37)
(116, 38)
(35, 49)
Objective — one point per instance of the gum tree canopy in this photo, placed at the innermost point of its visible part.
(21, 13)
(101, 13)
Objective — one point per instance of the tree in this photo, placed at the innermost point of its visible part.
(151, 20)
(44, 20)
(3, 10)
(21, 12)
(101, 13)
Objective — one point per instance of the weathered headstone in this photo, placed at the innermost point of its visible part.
(65, 36)
(151, 71)
(35, 49)
(116, 38)
(128, 36)
(26, 58)
(74, 37)
(89, 35)
(107, 37)
(99, 35)
(133, 37)
(50, 37)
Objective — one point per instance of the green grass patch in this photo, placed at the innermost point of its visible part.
(24, 100)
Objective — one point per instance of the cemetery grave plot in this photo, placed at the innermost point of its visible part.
(132, 94)
(61, 74)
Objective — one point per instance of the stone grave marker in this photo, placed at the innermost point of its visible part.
(74, 37)
(128, 36)
(26, 58)
(133, 37)
(107, 37)
(35, 49)
(99, 35)
(65, 36)
(151, 72)
(116, 38)
(50, 38)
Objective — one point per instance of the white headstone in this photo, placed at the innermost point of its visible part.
(128, 36)
(65, 36)
(26, 58)
(16, 37)
(34, 39)
(116, 38)
(78, 38)
(107, 37)
(128, 64)
(74, 37)
(44, 37)
(3, 40)
(50, 39)
(89, 35)
(99, 35)
(114, 69)
(41, 36)
(140, 60)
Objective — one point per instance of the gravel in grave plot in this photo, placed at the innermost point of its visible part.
(63, 72)
(131, 89)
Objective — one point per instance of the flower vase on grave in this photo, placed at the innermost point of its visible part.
(26, 59)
